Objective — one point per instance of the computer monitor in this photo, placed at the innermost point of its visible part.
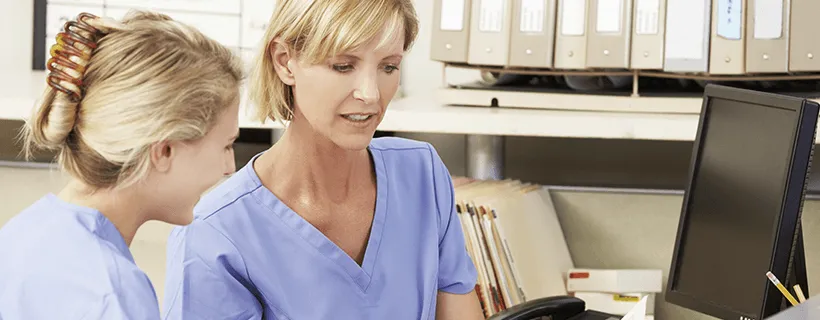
(741, 209)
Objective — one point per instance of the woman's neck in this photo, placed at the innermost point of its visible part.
(123, 208)
(309, 166)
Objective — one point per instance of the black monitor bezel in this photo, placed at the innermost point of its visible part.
(790, 211)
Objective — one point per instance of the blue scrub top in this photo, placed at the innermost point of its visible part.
(61, 261)
(248, 256)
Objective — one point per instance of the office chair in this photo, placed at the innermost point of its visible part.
(553, 308)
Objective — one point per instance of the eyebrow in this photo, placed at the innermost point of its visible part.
(235, 136)
(354, 57)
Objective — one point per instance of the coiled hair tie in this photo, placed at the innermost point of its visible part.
(70, 55)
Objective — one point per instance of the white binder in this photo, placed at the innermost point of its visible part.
(450, 37)
(647, 34)
(571, 35)
(532, 39)
(728, 47)
(686, 44)
(490, 32)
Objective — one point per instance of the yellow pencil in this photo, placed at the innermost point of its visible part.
(799, 292)
(780, 287)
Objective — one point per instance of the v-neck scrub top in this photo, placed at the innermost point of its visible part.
(248, 256)
(61, 261)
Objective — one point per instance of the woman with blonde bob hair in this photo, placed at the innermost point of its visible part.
(142, 114)
(328, 223)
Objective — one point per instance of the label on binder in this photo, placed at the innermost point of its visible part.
(532, 16)
(491, 15)
(686, 29)
(648, 14)
(452, 15)
(768, 19)
(730, 19)
(573, 14)
(609, 16)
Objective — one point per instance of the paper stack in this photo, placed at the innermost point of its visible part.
(616, 291)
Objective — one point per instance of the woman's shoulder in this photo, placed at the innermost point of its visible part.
(404, 151)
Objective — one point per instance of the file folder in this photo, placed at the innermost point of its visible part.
(804, 47)
(490, 32)
(533, 33)
(728, 54)
(609, 34)
(686, 43)
(571, 35)
(649, 18)
(767, 36)
(451, 30)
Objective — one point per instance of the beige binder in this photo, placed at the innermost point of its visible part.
(686, 38)
(571, 35)
(451, 30)
(804, 48)
(533, 33)
(728, 47)
(767, 36)
(649, 19)
(609, 34)
(490, 32)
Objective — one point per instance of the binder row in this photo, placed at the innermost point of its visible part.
(515, 241)
(718, 37)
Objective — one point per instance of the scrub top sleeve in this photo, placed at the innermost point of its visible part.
(123, 307)
(206, 277)
(456, 272)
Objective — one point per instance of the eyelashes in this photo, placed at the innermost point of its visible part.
(346, 67)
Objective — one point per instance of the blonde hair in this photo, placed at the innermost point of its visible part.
(149, 79)
(317, 30)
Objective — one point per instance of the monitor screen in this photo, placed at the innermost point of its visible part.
(735, 201)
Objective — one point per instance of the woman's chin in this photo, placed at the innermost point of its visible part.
(355, 142)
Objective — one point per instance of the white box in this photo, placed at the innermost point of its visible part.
(614, 280)
(616, 303)
(58, 14)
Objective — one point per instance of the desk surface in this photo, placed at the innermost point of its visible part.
(428, 115)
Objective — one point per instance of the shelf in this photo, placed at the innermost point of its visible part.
(434, 114)
(570, 101)
(415, 114)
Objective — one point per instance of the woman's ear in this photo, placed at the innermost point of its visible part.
(162, 154)
(281, 56)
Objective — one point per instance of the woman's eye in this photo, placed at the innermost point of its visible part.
(390, 68)
(342, 67)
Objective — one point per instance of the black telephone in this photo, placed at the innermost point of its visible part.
(553, 308)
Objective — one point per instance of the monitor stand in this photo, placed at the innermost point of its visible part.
(796, 273)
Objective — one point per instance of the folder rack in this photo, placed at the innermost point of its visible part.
(766, 43)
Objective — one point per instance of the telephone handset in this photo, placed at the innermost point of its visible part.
(552, 308)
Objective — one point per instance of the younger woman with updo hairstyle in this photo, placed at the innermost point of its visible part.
(142, 114)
